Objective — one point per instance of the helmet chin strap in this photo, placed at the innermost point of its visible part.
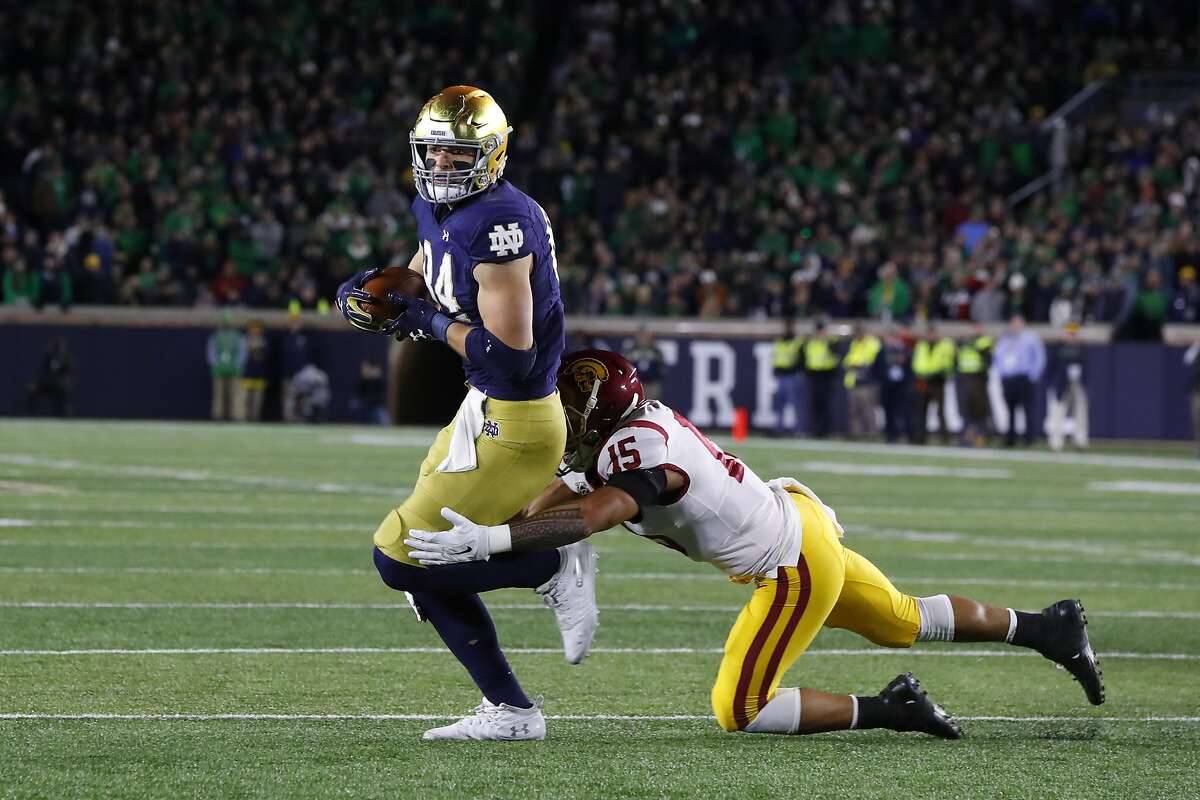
(588, 408)
(592, 400)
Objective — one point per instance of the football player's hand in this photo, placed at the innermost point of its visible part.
(466, 541)
(420, 319)
(350, 294)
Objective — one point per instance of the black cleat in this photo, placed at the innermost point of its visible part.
(1067, 645)
(914, 711)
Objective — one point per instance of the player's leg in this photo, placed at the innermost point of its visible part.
(780, 400)
(506, 714)
(512, 468)
(875, 609)
(499, 485)
(943, 421)
(1079, 392)
(777, 626)
(771, 632)
(1011, 395)
(1056, 412)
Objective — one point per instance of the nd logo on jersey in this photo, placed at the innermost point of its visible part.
(506, 241)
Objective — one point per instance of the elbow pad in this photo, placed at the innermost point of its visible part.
(487, 351)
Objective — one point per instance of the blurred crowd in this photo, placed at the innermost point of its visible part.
(225, 152)
(776, 158)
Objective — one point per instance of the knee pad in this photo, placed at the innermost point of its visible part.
(781, 715)
(937, 619)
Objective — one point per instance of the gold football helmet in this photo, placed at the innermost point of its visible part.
(470, 123)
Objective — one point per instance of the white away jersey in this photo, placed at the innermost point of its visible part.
(723, 514)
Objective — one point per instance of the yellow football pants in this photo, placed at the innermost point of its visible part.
(831, 585)
(513, 466)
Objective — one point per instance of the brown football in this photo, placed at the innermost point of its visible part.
(392, 279)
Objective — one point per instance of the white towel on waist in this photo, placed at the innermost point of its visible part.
(791, 484)
(468, 425)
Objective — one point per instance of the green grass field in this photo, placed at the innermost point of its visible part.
(191, 610)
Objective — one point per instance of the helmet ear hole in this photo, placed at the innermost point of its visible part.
(591, 438)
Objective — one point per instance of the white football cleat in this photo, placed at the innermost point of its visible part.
(489, 722)
(571, 592)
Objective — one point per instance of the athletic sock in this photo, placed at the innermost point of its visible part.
(873, 712)
(1027, 630)
(466, 627)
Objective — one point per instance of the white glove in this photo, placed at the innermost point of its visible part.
(466, 541)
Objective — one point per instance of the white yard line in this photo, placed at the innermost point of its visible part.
(20, 487)
(196, 475)
(153, 525)
(255, 717)
(639, 651)
(268, 509)
(900, 470)
(184, 571)
(1031, 514)
(1058, 583)
(390, 439)
(647, 607)
(1146, 487)
(1140, 553)
(361, 546)
(781, 446)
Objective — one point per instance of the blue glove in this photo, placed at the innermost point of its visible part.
(350, 294)
(420, 319)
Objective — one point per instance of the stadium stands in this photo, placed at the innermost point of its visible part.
(772, 158)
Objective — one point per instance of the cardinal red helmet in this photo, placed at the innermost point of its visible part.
(599, 389)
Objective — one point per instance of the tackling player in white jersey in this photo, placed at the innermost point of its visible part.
(642, 465)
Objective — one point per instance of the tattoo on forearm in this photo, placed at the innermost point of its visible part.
(549, 529)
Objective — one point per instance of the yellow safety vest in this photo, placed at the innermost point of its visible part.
(819, 356)
(933, 360)
(970, 355)
(861, 354)
(786, 353)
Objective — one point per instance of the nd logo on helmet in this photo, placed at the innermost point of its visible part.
(586, 371)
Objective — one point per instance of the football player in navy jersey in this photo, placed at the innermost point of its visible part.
(487, 256)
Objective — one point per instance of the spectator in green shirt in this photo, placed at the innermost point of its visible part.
(226, 360)
(890, 297)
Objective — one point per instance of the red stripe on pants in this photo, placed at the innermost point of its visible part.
(741, 714)
(788, 630)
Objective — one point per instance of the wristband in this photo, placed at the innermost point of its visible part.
(499, 539)
(439, 324)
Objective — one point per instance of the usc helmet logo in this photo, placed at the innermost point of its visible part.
(586, 371)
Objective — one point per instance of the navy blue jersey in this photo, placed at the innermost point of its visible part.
(500, 225)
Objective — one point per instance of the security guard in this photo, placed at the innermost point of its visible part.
(933, 361)
(896, 390)
(820, 364)
(972, 361)
(861, 368)
(789, 380)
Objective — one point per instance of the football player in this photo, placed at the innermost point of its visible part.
(487, 257)
(647, 467)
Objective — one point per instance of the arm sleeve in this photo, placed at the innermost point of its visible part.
(504, 236)
(645, 486)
